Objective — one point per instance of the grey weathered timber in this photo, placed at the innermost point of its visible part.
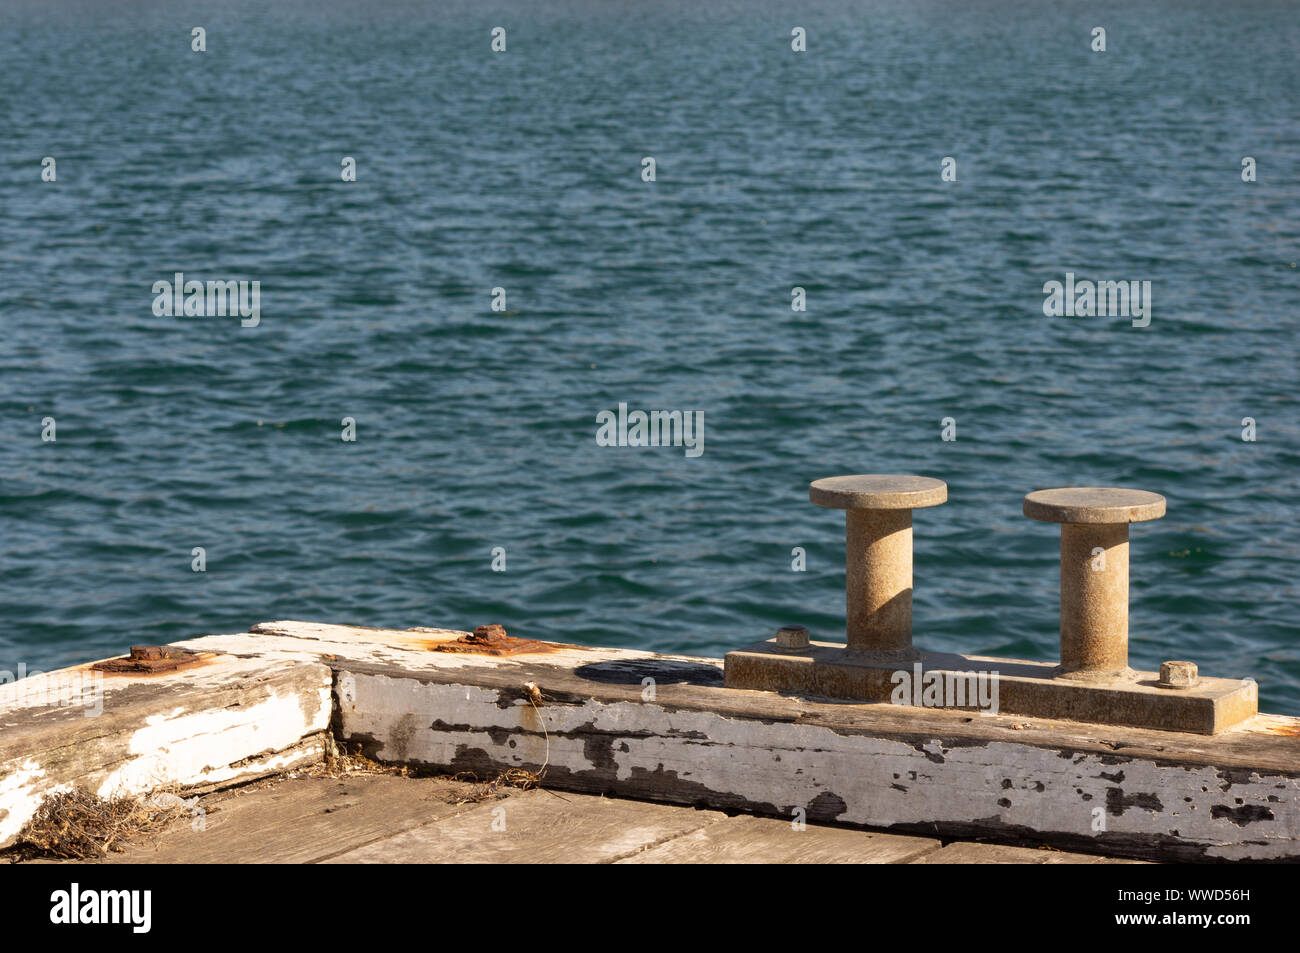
(299, 820)
(967, 852)
(680, 737)
(369, 818)
(744, 839)
(537, 827)
(221, 721)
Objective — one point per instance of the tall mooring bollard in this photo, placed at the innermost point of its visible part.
(878, 549)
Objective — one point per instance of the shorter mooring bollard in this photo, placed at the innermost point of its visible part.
(1092, 683)
(1094, 572)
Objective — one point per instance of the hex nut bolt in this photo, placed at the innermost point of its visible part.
(792, 637)
(1094, 572)
(878, 546)
(1178, 675)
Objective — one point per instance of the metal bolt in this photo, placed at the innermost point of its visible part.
(149, 658)
(1094, 572)
(1178, 675)
(489, 633)
(878, 546)
(792, 637)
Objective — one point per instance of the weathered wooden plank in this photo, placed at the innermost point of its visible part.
(224, 720)
(306, 819)
(300, 820)
(536, 827)
(760, 840)
(967, 852)
(603, 728)
(1267, 743)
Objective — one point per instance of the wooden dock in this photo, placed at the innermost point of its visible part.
(655, 742)
(367, 819)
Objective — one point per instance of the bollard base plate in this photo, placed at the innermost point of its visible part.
(996, 685)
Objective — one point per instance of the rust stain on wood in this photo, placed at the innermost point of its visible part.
(1287, 731)
(152, 660)
(490, 640)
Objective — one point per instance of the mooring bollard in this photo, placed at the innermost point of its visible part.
(1091, 683)
(878, 549)
(1094, 572)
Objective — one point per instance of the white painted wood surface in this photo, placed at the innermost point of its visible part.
(225, 720)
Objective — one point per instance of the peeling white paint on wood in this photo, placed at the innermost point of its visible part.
(408, 648)
(199, 747)
(21, 793)
(222, 720)
(638, 747)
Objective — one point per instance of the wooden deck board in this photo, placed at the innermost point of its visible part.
(969, 852)
(760, 840)
(300, 820)
(538, 827)
(390, 819)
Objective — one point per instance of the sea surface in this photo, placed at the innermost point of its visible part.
(522, 170)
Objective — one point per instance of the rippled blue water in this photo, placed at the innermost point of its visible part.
(475, 429)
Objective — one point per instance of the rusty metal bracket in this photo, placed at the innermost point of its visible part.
(492, 640)
(149, 658)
